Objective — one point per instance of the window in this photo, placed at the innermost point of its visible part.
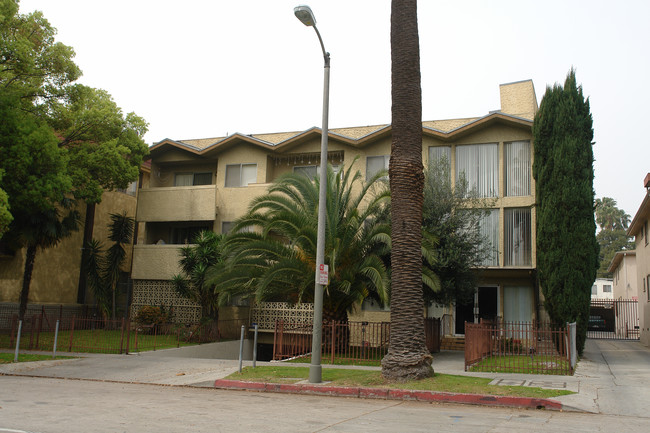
(517, 168)
(648, 287)
(129, 190)
(480, 165)
(375, 164)
(517, 303)
(607, 288)
(238, 175)
(441, 155)
(594, 290)
(489, 227)
(190, 179)
(645, 230)
(518, 245)
(226, 226)
(312, 170)
(308, 170)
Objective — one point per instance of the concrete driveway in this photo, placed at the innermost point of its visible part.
(617, 374)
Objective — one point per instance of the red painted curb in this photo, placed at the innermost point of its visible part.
(392, 394)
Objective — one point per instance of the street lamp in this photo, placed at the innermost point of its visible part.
(306, 16)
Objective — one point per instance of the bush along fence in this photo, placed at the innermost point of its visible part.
(343, 342)
(93, 335)
(520, 347)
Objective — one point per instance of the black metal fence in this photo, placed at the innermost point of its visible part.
(614, 319)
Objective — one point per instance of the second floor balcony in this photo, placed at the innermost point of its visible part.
(184, 203)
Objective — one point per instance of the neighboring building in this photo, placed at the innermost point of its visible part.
(55, 279)
(623, 268)
(602, 289)
(639, 229)
(206, 184)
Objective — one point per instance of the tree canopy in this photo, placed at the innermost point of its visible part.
(567, 251)
(59, 140)
(452, 216)
(272, 250)
(612, 237)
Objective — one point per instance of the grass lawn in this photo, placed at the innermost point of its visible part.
(327, 360)
(523, 364)
(7, 358)
(374, 379)
(97, 341)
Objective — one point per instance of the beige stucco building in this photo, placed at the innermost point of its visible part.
(55, 279)
(208, 183)
(623, 268)
(639, 229)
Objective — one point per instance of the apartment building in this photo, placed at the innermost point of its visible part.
(202, 184)
(55, 280)
(639, 229)
(623, 269)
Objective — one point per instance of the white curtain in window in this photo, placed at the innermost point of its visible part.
(517, 304)
(233, 175)
(436, 153)
(183, 179)
(480, 163)
(517, 168)
(489, 227)
(518, 243)
(375, 164)
(248, 174)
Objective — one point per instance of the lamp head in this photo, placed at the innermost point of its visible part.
(305, 15)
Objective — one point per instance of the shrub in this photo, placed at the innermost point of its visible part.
(150, 316)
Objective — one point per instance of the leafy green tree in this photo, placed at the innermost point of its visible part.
(196, 259)
(37, 187)
(567, 251)
(611, 242)
(5, 215)
(612, 237)
(59, 140)
(407, 357)
(272, 251)
(453, 216)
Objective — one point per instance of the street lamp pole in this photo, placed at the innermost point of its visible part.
(305, 15)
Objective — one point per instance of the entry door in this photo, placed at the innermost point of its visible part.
(464, 313)
(487, 303)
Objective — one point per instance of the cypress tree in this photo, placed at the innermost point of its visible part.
(567, 250)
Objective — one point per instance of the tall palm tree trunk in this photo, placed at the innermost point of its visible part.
(407, 356)
(30, 256)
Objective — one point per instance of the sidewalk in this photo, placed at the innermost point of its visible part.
(603, 381)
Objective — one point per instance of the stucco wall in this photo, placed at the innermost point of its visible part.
(56, 270)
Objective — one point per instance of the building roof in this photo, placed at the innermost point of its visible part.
(641, 216)
(618, 258)
(518, 107)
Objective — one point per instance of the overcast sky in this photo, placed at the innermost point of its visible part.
(208, 68)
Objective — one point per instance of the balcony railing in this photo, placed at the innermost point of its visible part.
(182, 203)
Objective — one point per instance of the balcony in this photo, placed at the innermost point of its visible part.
(155, 262)
(180, 203)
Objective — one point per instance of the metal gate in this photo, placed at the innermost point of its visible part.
(613, 319)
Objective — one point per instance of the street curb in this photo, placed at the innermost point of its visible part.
(392, 394)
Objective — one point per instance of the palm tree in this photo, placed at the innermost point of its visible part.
(195, 261)
(273, 248)
(407, 356)
(42, 230)
(120, 232)
(610, 217)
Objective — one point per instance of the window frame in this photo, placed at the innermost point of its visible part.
(509, 248)
(241, 171)
(386, 165)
